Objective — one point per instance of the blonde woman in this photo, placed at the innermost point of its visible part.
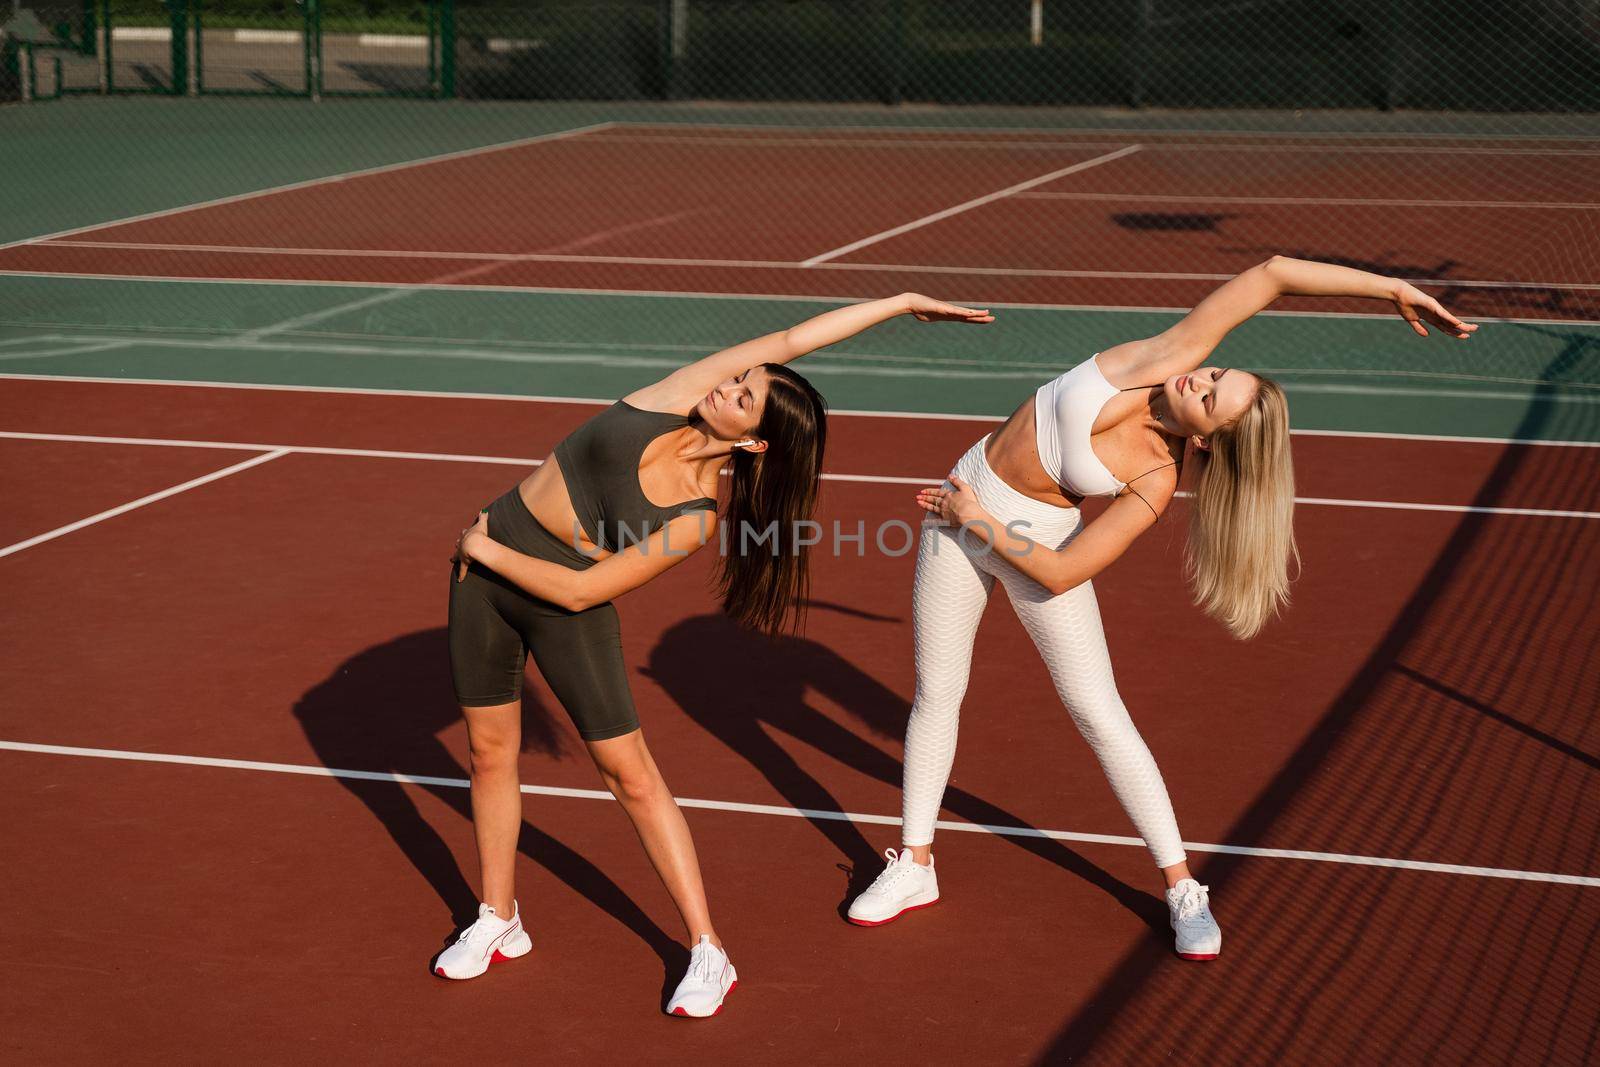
(1121, 424)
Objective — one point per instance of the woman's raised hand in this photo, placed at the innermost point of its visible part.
(927, 309)
(1414, 305)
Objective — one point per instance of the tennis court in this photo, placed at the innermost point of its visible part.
(243, 414)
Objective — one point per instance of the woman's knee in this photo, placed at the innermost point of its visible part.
(494, 741)
(935, 707)
(627, 769)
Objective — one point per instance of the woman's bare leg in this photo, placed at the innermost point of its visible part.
(495, 736)
(631, 774)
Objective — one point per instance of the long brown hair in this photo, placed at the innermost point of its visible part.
(765, 576)
(1241, 528)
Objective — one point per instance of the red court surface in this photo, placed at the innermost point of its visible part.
(1143, 221)
(1429, 697)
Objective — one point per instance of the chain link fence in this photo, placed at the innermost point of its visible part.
(1383, 54)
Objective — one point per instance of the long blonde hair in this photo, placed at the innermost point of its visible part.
(1241, 526)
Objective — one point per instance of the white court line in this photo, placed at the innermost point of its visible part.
(1152, 136)
(1460, 509)
(856, 142)
(1449, 394)
(1332, 201)
(969, 205)
(1367, 149)
(848, 363)
(80, 347)
(690, 294)
(254, 461)
(311, 182)
(40, 338)
(874, 479)
(746, 264)
(1058, 146)
(784, 811)
(451, 277)
(931, 416)
(1121, 132)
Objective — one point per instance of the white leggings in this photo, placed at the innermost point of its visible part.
(954, 577)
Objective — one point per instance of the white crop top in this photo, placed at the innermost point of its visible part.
(1064, 411)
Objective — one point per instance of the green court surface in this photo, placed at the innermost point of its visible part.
(1365, 374)
(79, 163)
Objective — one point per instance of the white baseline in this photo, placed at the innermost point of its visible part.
(807, 813)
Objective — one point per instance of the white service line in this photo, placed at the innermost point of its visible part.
(748, 264)
(690, 294)
(239, 446)
(1459, 509)
(448, 278)
(1331, 201)
(970, 204)
(1151, 138)
(801, 813)
(254, 461)
(837, 364)
(312, 182)
(80, 347)
(931, 416)
(872, 479)
(858, 142)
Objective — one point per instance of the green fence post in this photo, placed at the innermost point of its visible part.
(1139, 54)
(25, 84)
(198, 20)
(85, 44)
(313, 38)
(433, 49)
(1391, 80)
(447, 49)
(899, 46)
(178, 25)
(664, 46)
(191, 43)
(107, 77)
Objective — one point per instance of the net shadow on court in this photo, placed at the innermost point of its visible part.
(1466, 736)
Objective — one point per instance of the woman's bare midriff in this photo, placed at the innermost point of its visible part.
(544, 494)
(1013, 454)
(661, 477)
(1131, 447)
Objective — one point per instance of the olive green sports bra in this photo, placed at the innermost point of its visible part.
(600, 462)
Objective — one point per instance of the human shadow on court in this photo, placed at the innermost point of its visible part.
(761, 685)
(382, 710)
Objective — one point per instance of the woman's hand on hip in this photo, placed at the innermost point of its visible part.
(470, 543)
(956, 506)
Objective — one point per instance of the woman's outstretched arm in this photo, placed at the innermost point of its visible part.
(681, 390)
(608, 579)
(1190, 342)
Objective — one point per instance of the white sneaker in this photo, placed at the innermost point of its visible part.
(904, 885)
(1199, 936)
(489, 940)
(708, 981)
